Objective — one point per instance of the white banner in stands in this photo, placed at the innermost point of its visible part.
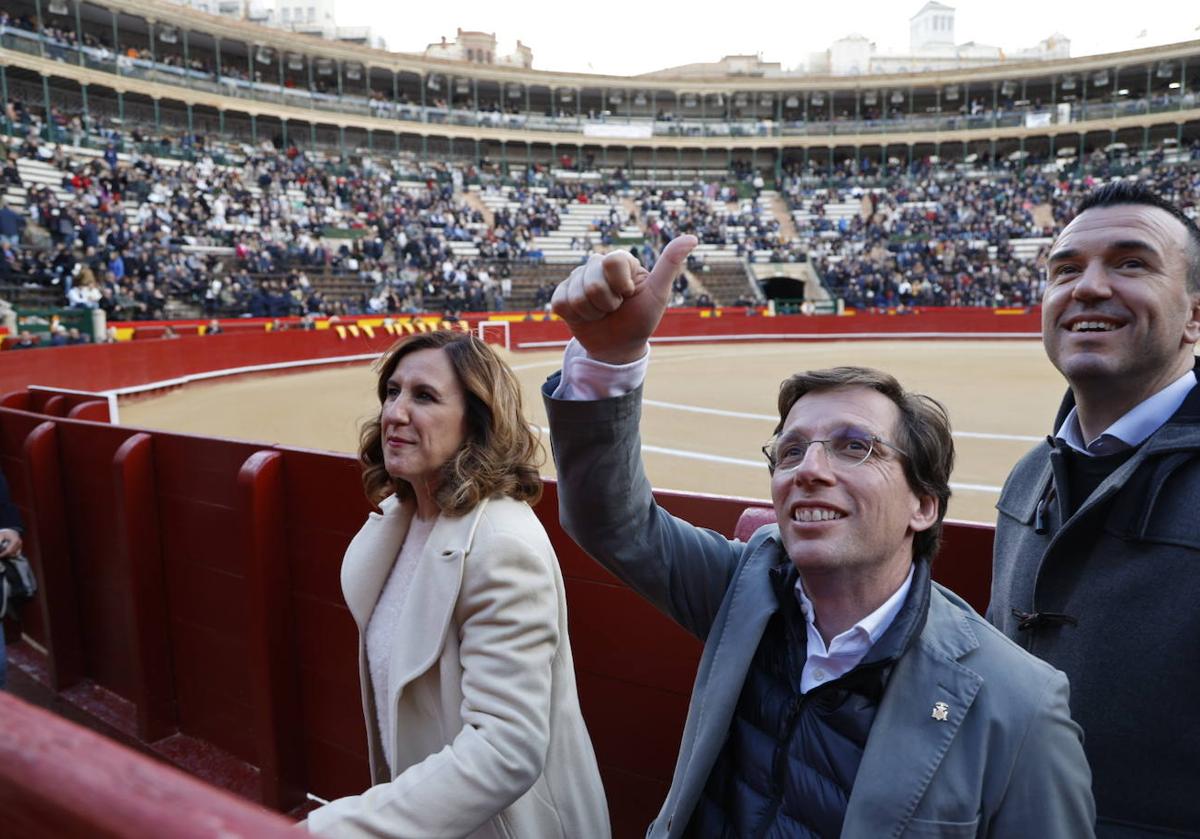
(1037, 119)
(619, 130)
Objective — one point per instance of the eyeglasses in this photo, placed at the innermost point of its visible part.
(848, 446)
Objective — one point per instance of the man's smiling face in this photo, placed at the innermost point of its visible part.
(839, 519)
(1117, 310)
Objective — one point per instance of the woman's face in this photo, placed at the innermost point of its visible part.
(423, 418)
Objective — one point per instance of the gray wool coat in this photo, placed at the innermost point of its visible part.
(1005, 762)
(1123, 573)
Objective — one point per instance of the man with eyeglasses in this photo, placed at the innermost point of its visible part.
(840, 692)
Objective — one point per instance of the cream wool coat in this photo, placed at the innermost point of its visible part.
(487, 734)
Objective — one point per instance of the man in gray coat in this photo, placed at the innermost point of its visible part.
(1097, 556)
(840, 692)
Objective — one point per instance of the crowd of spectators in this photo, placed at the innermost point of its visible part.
(716, 215)
(262, 231)
(941, 237)
(129, 233)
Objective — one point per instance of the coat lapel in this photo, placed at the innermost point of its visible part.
(722, 675)
(928, 695)
(370, 557)
(429, 608)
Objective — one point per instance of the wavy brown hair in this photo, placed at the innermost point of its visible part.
(501, 455)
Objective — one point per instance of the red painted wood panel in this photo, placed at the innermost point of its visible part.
(58, 779)
(140, 545)
(271, 646)
(94, 410)
(57, 581)
(101, 574)
(55, 406)
(964, 563)
(205, 559)
(319, 527)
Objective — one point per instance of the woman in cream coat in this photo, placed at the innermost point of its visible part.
(468, 687)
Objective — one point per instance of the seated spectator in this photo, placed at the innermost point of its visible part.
(25, 341)
(84, 295)
(12, 224)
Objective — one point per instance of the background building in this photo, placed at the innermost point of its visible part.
(931, 47)
(479, 48)
(308, 17)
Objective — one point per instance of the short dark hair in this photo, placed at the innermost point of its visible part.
(501, 455)
(923, 434)
(1133, 192)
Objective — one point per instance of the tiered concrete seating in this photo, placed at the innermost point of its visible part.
(577, 223)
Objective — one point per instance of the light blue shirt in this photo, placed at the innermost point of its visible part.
(1134, 427)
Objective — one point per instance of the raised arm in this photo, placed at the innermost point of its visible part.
(612, 305)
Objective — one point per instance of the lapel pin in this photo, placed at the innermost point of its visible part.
(941, 711)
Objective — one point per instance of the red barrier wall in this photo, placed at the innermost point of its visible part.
(111, 366)
(197, 589)
(57, 779)
(191, 604)
(735, 324)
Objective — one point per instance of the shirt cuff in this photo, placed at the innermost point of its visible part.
(585, 379)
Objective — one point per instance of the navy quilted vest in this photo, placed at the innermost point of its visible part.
(789, 761)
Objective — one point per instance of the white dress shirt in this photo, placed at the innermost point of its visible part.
(847, 649)
(1135, 426)
(584, 378)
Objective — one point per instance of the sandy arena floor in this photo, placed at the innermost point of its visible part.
(709, 407)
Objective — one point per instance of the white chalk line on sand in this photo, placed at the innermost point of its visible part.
(696, 409)
(761, 465)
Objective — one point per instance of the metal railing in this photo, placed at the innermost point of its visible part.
(105, 60)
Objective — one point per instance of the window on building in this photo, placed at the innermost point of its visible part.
(286, 14)
(312, 13)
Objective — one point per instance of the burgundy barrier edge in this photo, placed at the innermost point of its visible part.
(635, 788)
(131, 363)
(59, 779)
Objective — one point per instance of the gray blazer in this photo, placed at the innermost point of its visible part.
(1006, 761)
